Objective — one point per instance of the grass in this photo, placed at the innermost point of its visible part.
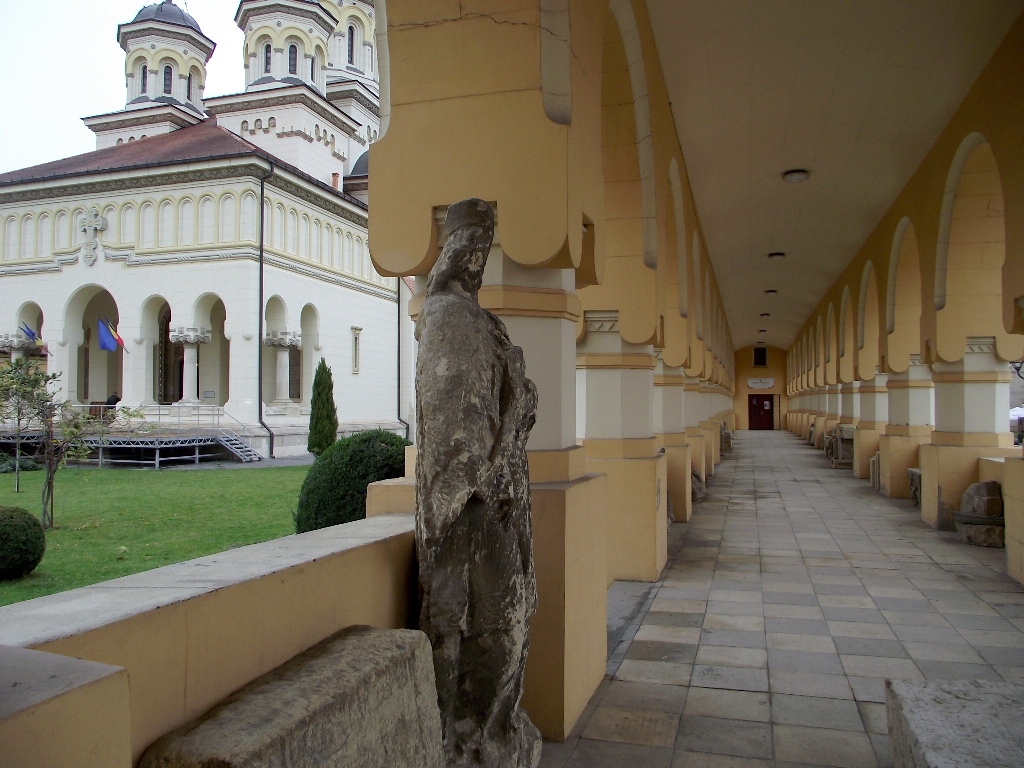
(114, 522)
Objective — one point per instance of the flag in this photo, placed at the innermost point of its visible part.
(30, 334)
(109, 340)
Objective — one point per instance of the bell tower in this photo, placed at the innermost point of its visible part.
(286, 42)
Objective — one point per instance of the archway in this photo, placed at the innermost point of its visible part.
(903, 299)
(867, 325)
(847, 346)
(97, 373)
(215, 354)
(309, 350)
(164, 359)
(30, 319)
(831, 348)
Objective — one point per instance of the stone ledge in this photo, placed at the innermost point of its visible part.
(954, 723)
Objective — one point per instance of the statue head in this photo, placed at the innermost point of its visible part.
(470, 227)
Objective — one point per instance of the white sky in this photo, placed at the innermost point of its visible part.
(79, 70)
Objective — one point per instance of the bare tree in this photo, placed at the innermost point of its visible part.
(22, 386)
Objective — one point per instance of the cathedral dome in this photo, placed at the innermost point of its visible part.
(168, 13)
(361, 167)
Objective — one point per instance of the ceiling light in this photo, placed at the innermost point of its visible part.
(776, 255)
(766, 314)
(796, 175)
(763, 330)
(770, 292)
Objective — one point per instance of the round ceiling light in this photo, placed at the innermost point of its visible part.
(796, 175)
(763, 330)
(766, 314)
(776, 255)
(770, 292)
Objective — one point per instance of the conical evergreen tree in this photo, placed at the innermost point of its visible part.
(323, 414)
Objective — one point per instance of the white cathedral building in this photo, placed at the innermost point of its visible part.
(223, 237)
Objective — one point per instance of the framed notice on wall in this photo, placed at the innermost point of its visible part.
(763, 383)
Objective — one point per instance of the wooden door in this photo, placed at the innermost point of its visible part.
(761, 411)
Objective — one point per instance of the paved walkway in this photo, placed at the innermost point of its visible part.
(797, 590)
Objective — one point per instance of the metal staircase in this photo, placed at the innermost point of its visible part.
(242, 450)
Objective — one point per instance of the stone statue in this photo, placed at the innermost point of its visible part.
(474, 412)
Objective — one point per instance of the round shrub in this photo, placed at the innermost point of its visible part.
(334, 491)
(22, 542)
(27, 465)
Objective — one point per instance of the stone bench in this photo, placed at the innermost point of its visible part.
(953, 723)
(363, 697)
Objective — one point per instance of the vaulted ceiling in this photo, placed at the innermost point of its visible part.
(855, 91)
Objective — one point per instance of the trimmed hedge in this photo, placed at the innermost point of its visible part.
(22, 542)
(334, 491)
(27, 465)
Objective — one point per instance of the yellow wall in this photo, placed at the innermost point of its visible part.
(745, 369)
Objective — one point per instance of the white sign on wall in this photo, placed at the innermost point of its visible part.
(760, 383)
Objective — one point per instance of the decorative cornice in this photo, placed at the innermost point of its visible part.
(601, 321)
(359, 98)
(246, 14)
(283, 339)
(981, 344)
(273, 100)
(152, 27)
(10, 341)
(184, 335)
(132, 118)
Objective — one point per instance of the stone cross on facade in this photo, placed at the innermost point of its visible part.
(92, 225)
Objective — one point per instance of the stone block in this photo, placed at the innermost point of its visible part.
(980, 535)
(698, 490)
(983, 499)
(362, 697)
(396, 496)
(914, 484)
(950, 723)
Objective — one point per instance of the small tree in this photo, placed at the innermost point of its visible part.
(24, 385)
(323, 414)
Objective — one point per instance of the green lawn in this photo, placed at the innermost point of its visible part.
(113, 522)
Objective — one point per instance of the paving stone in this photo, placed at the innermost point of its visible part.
(650, 697)
(705, 760)
(668, 634)
(733, 637)
(816, 712)
(873, 716)
(742, 623)
(593, 753)
(668, 619)
(662, 672)
(731, 656)
(953, 670)
(801, 661)
(633, 726)
(810, 684)
(723, 736)
(867, 646)
(820, 746)
(733, 705)
(733, 678)
(654, 650)
(796, 626)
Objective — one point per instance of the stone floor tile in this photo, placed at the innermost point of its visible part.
(679, 606)
(706, 760)
(810, 684)
(916, 618)
(861, 629)
(874, 716)
(816, 712)
(879, 666)
(868, 688)
(845, 601)
(669, 619)
(840, 590)
(991, 623)
(943, 652)
(796, 626)
(826, 747)
(736, 596)
(915, 634)
(861, 615)
(782, 611)
(733, 637)
(632, 726)
(650, 697)
(556, 754)
(740, 738)
(903, 592)
(1010, 657)
(742, 623)
(683, 593)
(883, 752)
(593, 753)
(806, 643)
(993, 639)
(866, 646)
(953, 670)
(655, 650)
(726, 608)
(801, 661)
(970, 608)
(732, 705)
(668, 634)
(732, 656)
(789, 598)
(661, 672)
(1011, 674)
(732, 678)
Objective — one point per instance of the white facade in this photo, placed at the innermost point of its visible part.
(169, 251)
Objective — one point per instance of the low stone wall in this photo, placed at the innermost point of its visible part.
(191, 634)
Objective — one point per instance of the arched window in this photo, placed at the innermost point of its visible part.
(351, 45)
(312, 70)
(293, 59)
(145, 79)
(168, 74)
(188, 87)
(266, 58)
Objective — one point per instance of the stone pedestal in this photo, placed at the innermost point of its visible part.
(911, 422)
(614, 415)
(849, 403)
(972, 400)
(874, 416)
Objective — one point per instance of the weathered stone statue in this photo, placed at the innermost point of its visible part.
(475, 410)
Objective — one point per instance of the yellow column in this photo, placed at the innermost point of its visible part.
(874, 415)
(694, 434)
(670, 431)
(911, 420)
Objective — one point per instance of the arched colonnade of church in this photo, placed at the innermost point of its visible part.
(178, 350)
(599, 271)
(912, 346)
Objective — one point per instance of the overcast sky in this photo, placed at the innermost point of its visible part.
(79, 71)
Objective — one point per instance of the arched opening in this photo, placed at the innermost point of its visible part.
(351, 45)
(971, 251)
(819, 356)
(310, 325)
(278, 358)
(97, 364)
(867, 325)
(144, 79)
(293, 59)
(847, 346)
(831, 348)
(215, 354)
(903, 299)
(168, 79)
(30, 327)
(163, 359)
(268, 58)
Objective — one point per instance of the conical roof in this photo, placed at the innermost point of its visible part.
(168, 13)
